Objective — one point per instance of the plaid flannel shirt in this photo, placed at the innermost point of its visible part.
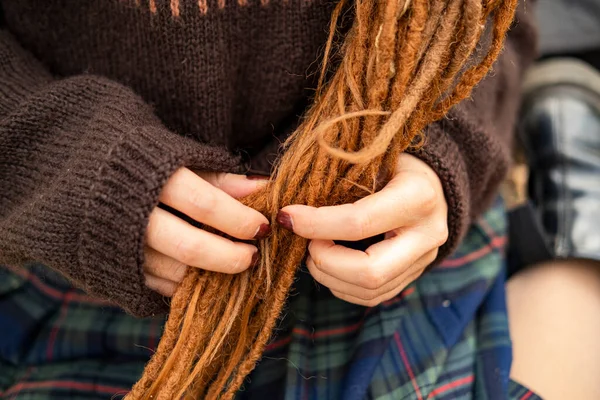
(444, 337)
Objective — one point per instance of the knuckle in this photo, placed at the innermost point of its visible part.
(368, 295)
(187, 251)
(317, 260)
(241, 262)
(312, 248)
(367, 224)
(149, 261)
(317, 271)
(427, 192)
(245, 229)
(310, 226)
(360, 224)
(148, 282)
(430, 258)
(372, 303)
(440, 233)
(179, 270)
(318, 276)
(373, 278)
(203, 201)
(167, 291)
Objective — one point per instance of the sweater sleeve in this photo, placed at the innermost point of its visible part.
(82, 162)
(470, 149)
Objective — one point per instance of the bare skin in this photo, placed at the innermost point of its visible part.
(173, 245)
(551, 307)
(554, 320)
(410, 210)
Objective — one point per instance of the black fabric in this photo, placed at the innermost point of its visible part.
(527, 243)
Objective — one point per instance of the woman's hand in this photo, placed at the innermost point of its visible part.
(210, 198)
(412, 212)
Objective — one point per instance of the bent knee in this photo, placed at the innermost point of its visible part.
(554, 318)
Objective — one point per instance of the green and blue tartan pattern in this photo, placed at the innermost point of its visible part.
(444, 337)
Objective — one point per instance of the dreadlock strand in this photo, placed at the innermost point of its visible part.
(502, 20)
(185, 330)
(417, 90)
(169, 338)
(470, 35)
(238, 353)
(407, 55)
(280, 296)
(383, 93)
(450, 54)
(329, 44)
(223, 328)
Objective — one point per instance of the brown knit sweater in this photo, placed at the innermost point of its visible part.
(102, 100)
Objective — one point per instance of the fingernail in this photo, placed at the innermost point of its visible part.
(263, 231)
(257, 177)
(285, 220)
(255, 260)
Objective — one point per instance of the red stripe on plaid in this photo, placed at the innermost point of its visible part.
(495, 243)
(25, 376)
(411, 374)
(153, 337)
(35, 281)
(278, 343)
(89, 387)
(328, 332)
(52, 292)
(452, 385)
(314, 335)
(402, 295)
(483, 224)
(64, 308)
(337, 331)
(527, 395)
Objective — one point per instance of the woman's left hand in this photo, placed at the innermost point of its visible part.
(412, 212)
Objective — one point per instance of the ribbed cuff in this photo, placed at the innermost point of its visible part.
(111, 247)
(102, 158)
(442, 154)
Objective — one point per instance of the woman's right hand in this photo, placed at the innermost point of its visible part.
(173, 245)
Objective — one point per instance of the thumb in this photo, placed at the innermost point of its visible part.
(235, 185)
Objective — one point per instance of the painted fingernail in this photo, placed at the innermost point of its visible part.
(285, 220)
(257, 177)
(263, 231)
(255, 260)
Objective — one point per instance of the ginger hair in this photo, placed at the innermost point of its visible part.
(401, 66)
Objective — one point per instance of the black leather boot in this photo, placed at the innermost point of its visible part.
(560, 130)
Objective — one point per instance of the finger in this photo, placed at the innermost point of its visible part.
(373, 268)
(366, 294)
(163, 266)
(407, 199)
(236, 186)
(378, 300)
(179, 240)
(201, 201)
(163, 286)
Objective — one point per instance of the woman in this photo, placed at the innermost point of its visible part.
(106, 109)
